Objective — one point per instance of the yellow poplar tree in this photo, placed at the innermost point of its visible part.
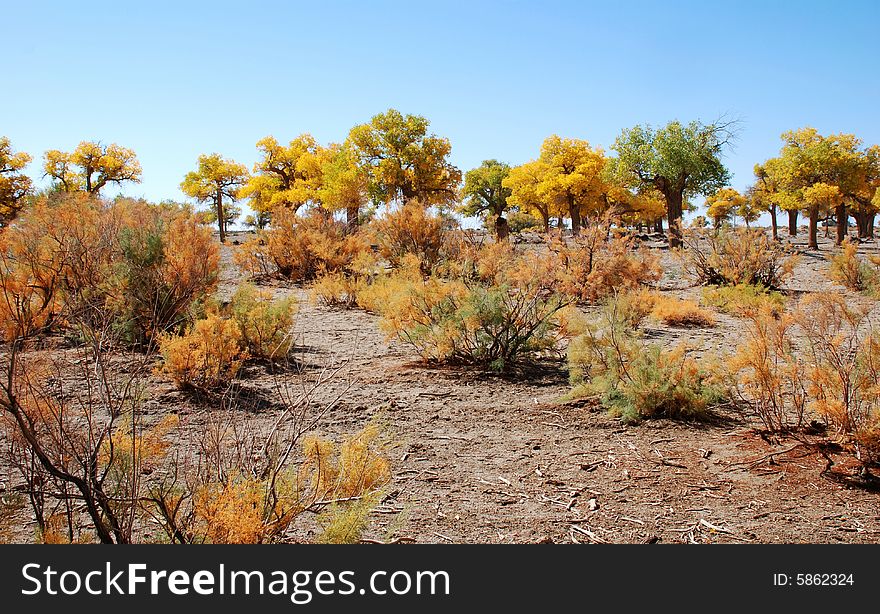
(91, 166)
(286, 176)
(523, 181)
(573, 181)
(403, 161)
(216, 178)
(14, 184)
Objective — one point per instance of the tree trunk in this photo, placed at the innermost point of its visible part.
(658, 225)
(221, 218)
(351, 217)
(773, 223)
(871, 225)
(546, 219)
(674, 201)
(814, 228)
(502, 229)
(792, 222)
(842, 223)
(575, 213)
(560, 222)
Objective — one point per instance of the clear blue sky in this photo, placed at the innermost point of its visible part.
(173, 80)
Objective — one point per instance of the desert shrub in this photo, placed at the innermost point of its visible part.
(81, 259)
(167, 268)
(843, 370)
(342, 288)
(677, 312)
(596, 265)
(207, 357)
(346, 478)
(264, 323)
(853, 272)
(301, 248)
(767, 372)
(831, 375)
(635, 379)
(744, 300)
(411, 229)
(741, 256)
(494, 323)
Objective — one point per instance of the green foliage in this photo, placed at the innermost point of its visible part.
(679, 161)
(264, 323)
(345, 524)
(484, 192)
(635, 379)
(744, 299)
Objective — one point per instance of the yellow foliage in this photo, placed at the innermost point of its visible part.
(744, 300)
(207, 357)
(302, 248)
(231, 512)
(411, 229)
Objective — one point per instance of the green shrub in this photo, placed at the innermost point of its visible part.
(634, 379)
(264, 323)
(744, 300)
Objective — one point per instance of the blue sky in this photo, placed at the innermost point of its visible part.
(175, 79)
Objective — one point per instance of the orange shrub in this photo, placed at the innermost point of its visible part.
(676, 312)
(767, 372)
(595, 265)
(742, 256)
(411, 229)
(208, 356)
(853, 272)
(122, 264)
(301, 248)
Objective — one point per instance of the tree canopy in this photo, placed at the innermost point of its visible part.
(216, 178)
(484, 192)
(678, 160)
(403, 161)
(14, 183)
(91, 166)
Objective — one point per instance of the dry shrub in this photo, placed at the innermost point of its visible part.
(853, 272)
(744, 300)
(767, 372)
(741, 256)
(833, 377)
(634, 379)
(77, 258)
(343, 288)
(411, 229)
(207, 357)
(597, 265)
(843, 370)
(263, 322)
(677, 312)
(493, 323)
(301, 248)
(346, 478)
